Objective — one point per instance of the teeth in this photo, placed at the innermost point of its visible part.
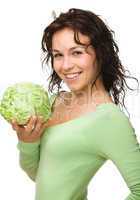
(72, 75)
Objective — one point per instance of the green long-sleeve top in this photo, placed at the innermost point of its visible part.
(69, 154)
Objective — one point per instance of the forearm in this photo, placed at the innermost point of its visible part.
(29, 157)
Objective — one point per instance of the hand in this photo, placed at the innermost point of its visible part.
(32, 131)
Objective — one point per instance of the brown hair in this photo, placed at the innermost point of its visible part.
(101, 36)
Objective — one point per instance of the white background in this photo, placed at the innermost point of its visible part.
(21, 27)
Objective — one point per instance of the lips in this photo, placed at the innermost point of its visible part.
(72, 75)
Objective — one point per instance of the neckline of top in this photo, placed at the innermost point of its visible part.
(98, 107)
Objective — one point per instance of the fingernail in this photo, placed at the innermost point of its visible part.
(33, 117)
(13, 121)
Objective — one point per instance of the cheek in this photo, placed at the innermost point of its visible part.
(56, 67)
(87, 63)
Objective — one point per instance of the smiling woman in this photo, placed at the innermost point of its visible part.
(70, 30)
(75, 64)
(87, 126)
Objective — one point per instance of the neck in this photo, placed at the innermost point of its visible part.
(86, 95)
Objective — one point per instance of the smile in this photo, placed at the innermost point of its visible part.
(73, 76)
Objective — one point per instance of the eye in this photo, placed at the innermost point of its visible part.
(57, 55)
(77, 52)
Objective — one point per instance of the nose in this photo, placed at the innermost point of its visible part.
(67, 63)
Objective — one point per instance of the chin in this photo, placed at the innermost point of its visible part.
(76, 89)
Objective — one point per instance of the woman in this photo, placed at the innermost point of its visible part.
(87, 126)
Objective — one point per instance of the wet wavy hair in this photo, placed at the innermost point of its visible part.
(101, 36)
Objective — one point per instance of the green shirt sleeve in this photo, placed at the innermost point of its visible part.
(118, 143)
(29, 154)
(29, 157)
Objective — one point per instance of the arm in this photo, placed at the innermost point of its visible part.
(29, 157)
(29, 143)
(118, 143)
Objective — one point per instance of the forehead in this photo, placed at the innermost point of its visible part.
(65, 39)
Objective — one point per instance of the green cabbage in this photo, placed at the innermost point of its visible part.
(23, 100)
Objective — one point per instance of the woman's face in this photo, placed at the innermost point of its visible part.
(74, 64)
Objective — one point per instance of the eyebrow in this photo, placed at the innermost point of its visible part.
(72, 48)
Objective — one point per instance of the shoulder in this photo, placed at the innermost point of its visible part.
(57, 99)
(101, 97)
(115, 120)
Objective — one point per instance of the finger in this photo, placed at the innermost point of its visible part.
(43, 127)
(38, 133)
(19, 135)
(39, 124)
(31, 124)
(46, 124)
(14, 124)
(34, 135)
(19, 130)
(17, 127)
